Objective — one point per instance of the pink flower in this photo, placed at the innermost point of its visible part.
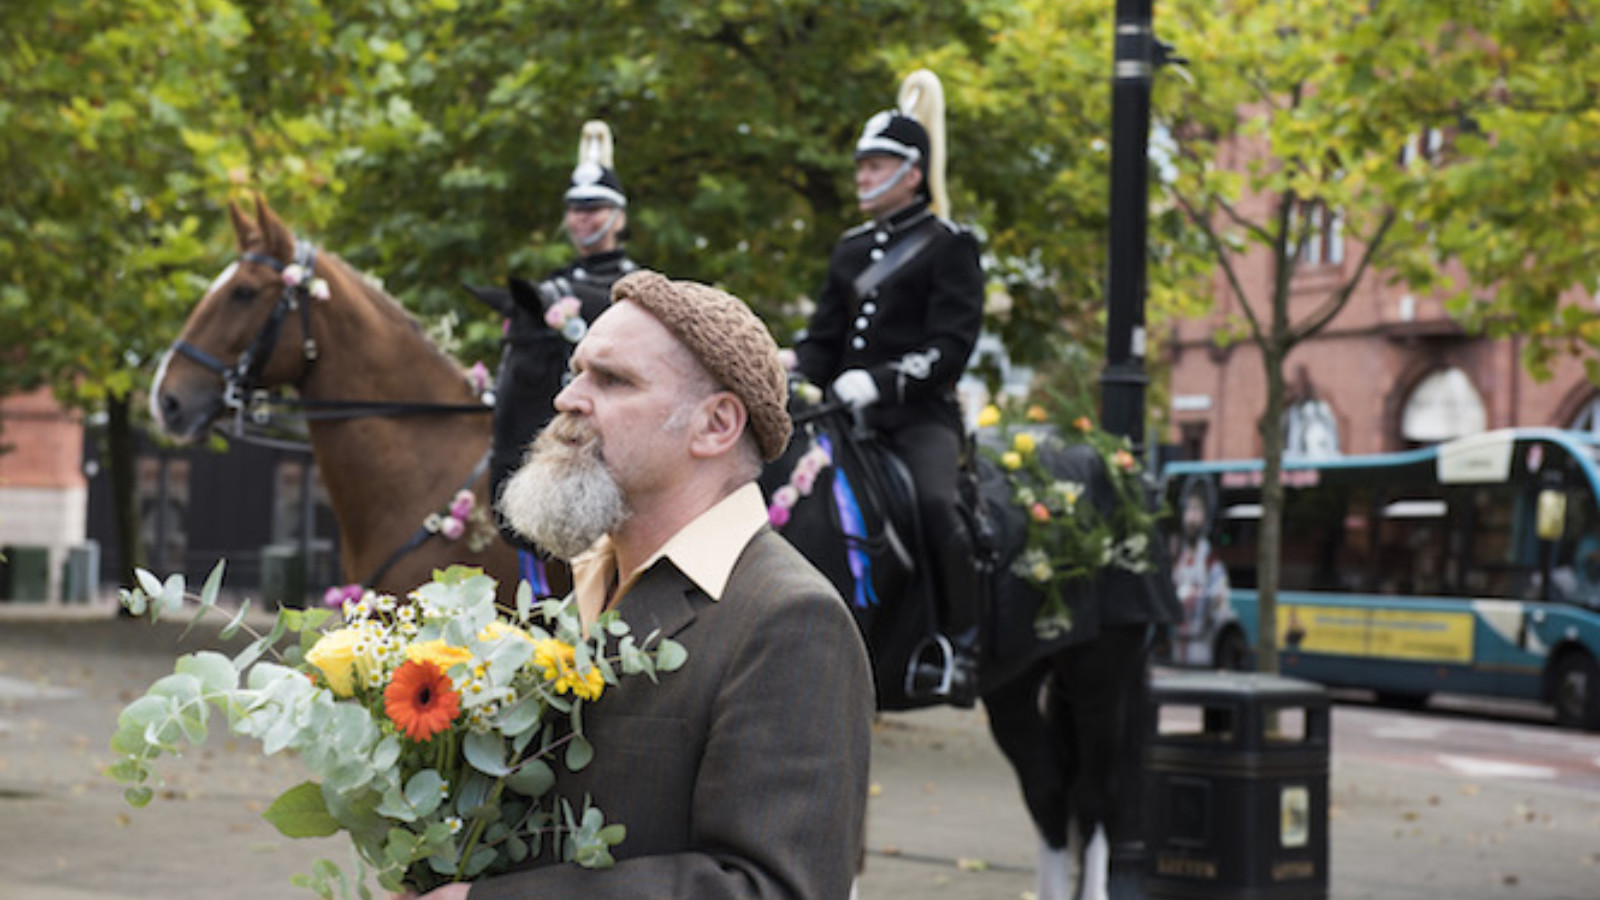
(452, 528)
(786, 496)
(1040, 512)
(804, 480)
(778, 515)
(293, 274)
(337, 596)
(562, 310)
(320, 289)
(478, 377)
(461, 506)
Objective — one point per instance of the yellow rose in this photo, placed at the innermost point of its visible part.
(499, 630)
(1023, 443)
(1011, 460)
(334, 654)
(439, 653)
(989, 416)
(1037, 413)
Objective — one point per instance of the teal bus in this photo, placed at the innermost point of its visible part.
(1470, 567)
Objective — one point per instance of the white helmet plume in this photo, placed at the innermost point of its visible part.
(922, 98)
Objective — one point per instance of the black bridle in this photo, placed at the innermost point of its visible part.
(241, 382)
(242, 390)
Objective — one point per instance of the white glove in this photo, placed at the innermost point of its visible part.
(789, 359)
(855, 388)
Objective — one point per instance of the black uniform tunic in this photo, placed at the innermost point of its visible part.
(914, 332)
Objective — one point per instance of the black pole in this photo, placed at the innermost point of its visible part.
(1123, 382)
(1122, 394)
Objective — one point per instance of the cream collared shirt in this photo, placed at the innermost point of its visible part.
(705, 550)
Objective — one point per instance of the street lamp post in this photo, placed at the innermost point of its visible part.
(1123, 381)
(1122, 395)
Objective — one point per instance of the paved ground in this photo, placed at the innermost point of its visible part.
(946, 820)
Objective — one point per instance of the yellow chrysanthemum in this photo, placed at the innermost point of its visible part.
(989, 416)
(558, 661)
(439, 653)
(1023, 443)
(1011, 459)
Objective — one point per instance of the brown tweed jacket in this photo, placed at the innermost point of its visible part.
(743, 774)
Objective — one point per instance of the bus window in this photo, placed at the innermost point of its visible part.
(1411, 548)
(1498, 556)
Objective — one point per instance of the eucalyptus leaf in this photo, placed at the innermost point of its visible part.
(301, 811)
(486, 752)
(532, 778)
(579, 753)
(670, 656)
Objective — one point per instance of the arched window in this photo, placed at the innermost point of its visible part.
(1442, 406)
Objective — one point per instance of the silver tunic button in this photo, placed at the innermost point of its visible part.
(858, 342)
(861, 323)
(869, 307)
(881, 237)
(876, 254)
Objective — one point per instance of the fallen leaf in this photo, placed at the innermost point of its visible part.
(972, 865)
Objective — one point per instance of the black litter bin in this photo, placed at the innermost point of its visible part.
(1237, 788)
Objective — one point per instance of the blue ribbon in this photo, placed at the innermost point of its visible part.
(533, 573)
(855, 526)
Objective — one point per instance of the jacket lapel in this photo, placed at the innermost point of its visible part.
(662, 601)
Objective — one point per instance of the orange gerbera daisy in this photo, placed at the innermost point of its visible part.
(420, 700)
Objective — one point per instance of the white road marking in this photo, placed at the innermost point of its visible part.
(1480, 767)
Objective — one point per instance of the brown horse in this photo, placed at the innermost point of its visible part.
(395, 425)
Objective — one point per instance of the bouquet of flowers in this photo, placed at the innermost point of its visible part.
(1068, 535)
(431, 726)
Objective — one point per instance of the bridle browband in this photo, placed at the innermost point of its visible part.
(242, 390)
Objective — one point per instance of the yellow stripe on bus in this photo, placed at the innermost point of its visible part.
(1389, 634)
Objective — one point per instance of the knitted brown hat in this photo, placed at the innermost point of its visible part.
(728, 339)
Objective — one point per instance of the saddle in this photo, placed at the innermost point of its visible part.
(913, 658)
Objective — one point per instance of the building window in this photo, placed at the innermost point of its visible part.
(1443, 406)
(1423, 146)
(1323, 234)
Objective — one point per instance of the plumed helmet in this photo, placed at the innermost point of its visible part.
(914, 131)
(594, 181)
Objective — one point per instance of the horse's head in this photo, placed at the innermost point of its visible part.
(245, 334)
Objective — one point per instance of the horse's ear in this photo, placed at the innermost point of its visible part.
(243, 228)
(279, 239)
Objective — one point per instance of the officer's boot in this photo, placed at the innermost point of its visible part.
(949, 668)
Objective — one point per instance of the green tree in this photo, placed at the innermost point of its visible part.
(1319, 99)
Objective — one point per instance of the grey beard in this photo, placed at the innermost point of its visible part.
(563, 498)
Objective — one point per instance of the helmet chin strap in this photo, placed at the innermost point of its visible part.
(604, 230)
(888, 183)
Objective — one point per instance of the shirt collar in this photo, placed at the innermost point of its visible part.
(704, 550)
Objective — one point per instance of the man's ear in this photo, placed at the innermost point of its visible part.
(718, 424)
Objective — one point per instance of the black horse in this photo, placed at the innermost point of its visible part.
(1066, 705)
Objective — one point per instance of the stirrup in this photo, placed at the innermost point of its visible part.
(938, 676)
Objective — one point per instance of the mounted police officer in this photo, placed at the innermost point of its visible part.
(544, 320)
(893, 328)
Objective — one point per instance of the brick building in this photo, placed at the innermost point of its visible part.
(1391, 371)
(43, 491)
